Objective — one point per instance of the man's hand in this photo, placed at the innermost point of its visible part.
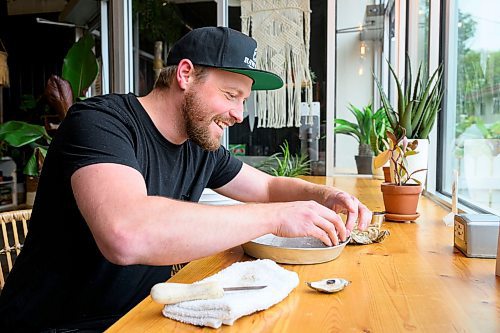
(343, 202)
(309, 219)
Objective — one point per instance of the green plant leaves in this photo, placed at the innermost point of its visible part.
(80, 66)
(285, 164)
(34, 166)
(19, 133)
(369, 129)
(418, 104)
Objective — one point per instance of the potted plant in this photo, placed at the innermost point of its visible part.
(378, 134)
(285, 164)
(417, 107)
(80, 69)
(18, 134)
(400, 196)
(368, 126)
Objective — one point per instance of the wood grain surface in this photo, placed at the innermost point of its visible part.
(414, 281)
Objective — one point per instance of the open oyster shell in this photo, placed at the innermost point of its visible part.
(328, 285)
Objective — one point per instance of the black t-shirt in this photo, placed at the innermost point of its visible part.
(61, 279)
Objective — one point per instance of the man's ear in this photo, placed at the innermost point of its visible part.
(185, 71)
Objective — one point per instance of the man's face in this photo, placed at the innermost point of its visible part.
(212, 104)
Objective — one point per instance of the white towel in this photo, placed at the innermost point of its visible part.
(235, 304)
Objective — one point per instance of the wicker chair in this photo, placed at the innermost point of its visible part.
(14, 227)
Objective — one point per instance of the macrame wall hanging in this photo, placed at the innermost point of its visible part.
(282, 31)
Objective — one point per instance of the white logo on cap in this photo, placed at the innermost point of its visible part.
(251, 62)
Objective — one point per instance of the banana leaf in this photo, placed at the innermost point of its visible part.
(19, 133)
(80, 66)
(35, 163)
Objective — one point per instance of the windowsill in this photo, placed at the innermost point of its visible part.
(445, 202)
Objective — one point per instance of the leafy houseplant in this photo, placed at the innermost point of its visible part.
(18, 134)
(285, 164)
(400, 196)
(368, 131)
(418, 103)
(80, 69)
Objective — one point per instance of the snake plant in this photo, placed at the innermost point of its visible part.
(418, 102)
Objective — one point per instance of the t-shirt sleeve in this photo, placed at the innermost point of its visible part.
(89, 136)
(226, 168)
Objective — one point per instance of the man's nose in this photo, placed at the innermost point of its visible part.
(237, 113)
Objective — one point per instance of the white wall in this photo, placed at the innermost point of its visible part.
(353, 77)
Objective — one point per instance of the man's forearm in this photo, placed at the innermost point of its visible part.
(165, 231)
(282, 189)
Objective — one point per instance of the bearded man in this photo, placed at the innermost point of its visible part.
(117, 199)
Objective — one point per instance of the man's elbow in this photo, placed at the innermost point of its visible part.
(119, 245)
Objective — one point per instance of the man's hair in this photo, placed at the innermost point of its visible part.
(167, 75)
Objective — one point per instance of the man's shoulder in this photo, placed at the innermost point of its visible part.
(103, 102)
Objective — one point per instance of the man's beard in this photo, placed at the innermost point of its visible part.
(197, 123)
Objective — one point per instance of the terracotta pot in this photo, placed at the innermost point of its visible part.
(401, 199)
(387, 174)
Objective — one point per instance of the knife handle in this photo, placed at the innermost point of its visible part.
(170, 293)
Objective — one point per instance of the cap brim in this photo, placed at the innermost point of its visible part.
(262, 80)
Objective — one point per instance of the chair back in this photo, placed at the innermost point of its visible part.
(13, 229)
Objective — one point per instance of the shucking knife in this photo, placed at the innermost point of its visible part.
(170, 293)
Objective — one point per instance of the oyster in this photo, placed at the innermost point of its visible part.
(329, 285)
(372, 234)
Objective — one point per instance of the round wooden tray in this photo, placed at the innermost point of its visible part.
(300, 250)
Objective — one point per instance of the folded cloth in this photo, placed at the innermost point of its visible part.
(235, 304)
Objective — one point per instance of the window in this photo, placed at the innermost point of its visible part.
(158, 24)
(423, 37)
(471, 123)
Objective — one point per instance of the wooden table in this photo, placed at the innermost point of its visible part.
(413, 281)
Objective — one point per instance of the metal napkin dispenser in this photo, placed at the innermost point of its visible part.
(476, 235)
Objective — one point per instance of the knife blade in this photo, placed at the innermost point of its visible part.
(171, 293)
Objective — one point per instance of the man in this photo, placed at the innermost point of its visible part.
(116, 204)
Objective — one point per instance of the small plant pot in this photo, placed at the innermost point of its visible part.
(387, 174)
(364, 164)
(401, 200)
(31, 187)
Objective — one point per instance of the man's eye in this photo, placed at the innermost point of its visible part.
(230, 96)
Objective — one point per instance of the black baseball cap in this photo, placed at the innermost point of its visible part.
(223, 48)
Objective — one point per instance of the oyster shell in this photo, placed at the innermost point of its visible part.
(329, 285)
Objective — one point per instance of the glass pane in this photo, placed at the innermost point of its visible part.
(472, 144)
(254, 143)
(157, 25)
(423, 37)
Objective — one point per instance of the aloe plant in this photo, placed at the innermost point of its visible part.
(368, 131)
(418, 102)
